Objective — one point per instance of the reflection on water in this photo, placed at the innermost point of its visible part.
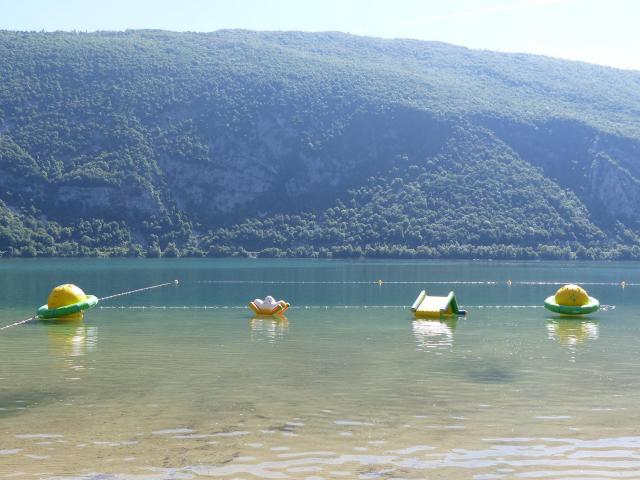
(434, 334)
(269, 329)
(72, 338)
(571, 332)
(494, 458)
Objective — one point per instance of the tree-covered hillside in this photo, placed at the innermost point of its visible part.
(234, 142)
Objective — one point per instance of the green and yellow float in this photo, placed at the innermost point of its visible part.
(572, 300)
(66, 302)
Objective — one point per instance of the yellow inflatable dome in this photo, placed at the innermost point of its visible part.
(66, 302)
(64, 295)
(571, 296)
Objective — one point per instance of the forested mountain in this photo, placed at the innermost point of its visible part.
(311, 144)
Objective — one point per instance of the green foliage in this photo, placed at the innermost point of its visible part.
(236, 143)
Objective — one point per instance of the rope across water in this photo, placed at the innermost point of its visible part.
(174, 282)
(313, 307)
(18, 323)
(129, 292)
(622, 284)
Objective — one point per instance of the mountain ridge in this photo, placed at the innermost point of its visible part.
(153, 142)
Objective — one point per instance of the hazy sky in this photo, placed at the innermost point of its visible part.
(597, 31)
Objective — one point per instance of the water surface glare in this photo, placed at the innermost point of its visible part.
(182, 382)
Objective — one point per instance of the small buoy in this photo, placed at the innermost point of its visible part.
(379, 282)
(66, 302)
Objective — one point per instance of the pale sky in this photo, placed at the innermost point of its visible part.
(597, 31)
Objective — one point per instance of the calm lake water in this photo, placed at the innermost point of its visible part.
(348, 386)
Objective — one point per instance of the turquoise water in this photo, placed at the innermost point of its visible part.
(182, 382)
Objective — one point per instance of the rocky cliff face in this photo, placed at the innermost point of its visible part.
(615, 189)
(601, 168)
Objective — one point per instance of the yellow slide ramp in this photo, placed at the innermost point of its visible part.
(427, 306)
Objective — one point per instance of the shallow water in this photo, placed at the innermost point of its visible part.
(349, 386)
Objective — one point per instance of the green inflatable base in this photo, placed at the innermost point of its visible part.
(591, 306)
(45, 312)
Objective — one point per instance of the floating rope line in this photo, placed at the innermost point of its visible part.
(129, 292)
(18, 323)
(290, 282)
(171, 307)
(412, 282)
(243, 307)
(175, 282)
(312, 307)
(603, 308)
(608, 284)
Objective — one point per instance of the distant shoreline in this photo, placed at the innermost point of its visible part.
(558, 255)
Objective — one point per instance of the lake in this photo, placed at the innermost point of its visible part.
(182, 382)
